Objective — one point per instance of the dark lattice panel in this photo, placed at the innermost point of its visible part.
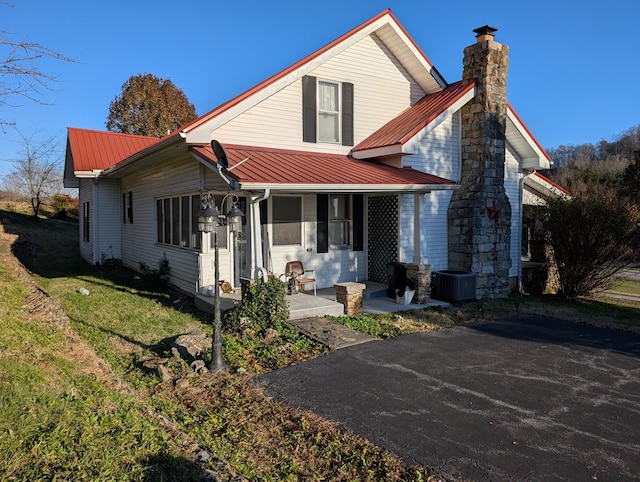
(382, 236)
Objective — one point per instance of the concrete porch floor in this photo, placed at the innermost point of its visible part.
(305, 305)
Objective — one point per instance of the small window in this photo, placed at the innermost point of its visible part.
(287, 220)
(339, 220)
(85, 221)
(127, 207)
(328, 112)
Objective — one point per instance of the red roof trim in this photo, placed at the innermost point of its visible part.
(515, 114)
(264, 84)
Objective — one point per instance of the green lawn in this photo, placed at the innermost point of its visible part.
(64, 418)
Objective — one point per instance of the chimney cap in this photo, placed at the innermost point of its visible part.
(485, 33)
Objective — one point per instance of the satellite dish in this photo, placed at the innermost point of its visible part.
(221, 155)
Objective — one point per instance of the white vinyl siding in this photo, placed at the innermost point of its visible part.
(107, 208)
(381, 92)
(438, 152)
(176, 178)
(512, 186)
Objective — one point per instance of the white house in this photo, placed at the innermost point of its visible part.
(348, 160)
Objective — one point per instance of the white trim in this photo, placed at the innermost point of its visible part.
(351, 188)
(535, 157)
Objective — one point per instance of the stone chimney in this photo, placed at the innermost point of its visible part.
(479, 215)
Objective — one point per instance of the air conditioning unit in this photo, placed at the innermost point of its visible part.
(452, 285)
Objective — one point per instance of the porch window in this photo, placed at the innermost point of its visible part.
(176, 221)
(287, 220)
(339, 220)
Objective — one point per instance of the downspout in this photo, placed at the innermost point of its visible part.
(257, 260)
(520, 217)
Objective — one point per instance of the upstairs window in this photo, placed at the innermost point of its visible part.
(327, 111)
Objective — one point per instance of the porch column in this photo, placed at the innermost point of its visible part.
(256, 238)
(417, 230)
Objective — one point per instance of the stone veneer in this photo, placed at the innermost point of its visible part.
(479, 214)
(420, 275)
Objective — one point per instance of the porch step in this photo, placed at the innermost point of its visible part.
(303, 306)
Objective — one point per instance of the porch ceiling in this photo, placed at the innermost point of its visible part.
(265, 168)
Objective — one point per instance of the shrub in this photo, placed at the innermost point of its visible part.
(157, 275)
(592, 239)
(264, 304)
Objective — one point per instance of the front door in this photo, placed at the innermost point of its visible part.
(382, 247)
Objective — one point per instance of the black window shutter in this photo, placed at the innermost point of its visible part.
(308, 108)
(358, 222)
(347, 114)
(322, 210)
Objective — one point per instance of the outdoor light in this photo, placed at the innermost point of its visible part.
(209, 218)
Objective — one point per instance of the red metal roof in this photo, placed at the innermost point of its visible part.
(258, 165)
(91, 150)
(402, 128)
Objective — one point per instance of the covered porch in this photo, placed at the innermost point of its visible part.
(305, 305)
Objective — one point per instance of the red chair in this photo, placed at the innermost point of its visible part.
(295, 268)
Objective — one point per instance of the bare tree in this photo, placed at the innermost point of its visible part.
(20, 76)
(36, 174)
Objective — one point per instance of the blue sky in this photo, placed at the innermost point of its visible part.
(573, 74)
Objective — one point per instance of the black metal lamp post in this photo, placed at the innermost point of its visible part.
(209, 218)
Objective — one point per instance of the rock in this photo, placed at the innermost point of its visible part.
(165, 373)
(192, 345)
(182, 383)
(210, 476)
(271, 334)
(203, 456)
(199, 367)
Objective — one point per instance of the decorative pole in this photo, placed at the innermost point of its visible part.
(209, 219)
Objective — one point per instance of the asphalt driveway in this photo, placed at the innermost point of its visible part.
(523, 398)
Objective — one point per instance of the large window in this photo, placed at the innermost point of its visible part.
(176, 221)
(339, 215)
(287, 220)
